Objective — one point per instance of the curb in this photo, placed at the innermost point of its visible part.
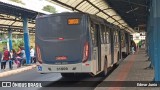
(12, 72)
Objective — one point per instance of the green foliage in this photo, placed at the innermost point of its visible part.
(2, 45)
(4, 41)
(49, 8)
(18, 1)
(19, 43)
(15, 43)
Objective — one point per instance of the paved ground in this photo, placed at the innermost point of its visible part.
(15, 70)
(129, 73)
(7, 67)
(55, 79)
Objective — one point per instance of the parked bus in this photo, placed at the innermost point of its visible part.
(125, 43)
(70, 43)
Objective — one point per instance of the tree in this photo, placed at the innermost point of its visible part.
(49, 8)
(18, 1)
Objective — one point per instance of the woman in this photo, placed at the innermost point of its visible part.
(13, 56)
(21, 55)
(19, 52)
(18, 57)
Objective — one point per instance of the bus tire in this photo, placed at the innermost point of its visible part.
(105, 71)
(67, 75)
(118, 56)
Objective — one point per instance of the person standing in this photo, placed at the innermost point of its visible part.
(32, 54)
(0, 56)
(133, 47)
(6, 57)
(18, 57)
(133, 50)
(13, 56)
(23, 56)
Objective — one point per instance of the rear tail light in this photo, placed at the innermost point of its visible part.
(39, 58)
(85, 52)
(60, 38)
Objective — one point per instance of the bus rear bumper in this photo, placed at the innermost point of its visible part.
(68, 68)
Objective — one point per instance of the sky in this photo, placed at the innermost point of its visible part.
(37, 5)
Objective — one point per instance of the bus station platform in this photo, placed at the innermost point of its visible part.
(133, 73)
(15, 70)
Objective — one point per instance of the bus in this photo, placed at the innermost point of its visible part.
(70, 43)
(125, 43)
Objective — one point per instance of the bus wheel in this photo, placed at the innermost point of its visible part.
(105, 71)
(67, 74)
(118, 57)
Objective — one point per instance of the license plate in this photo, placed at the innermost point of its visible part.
(62, 68)
(61, 58)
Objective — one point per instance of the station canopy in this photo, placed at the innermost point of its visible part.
(15, 23)
(134, 12)
(11, 15)
(95, 7)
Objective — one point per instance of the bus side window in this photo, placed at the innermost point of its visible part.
(123, 39)
(107, 35)
(117, 36)
(93, 36)
(102, 34)
(114, 36)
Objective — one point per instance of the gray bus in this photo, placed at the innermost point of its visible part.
(70, 43)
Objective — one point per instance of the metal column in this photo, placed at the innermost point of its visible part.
(26, 40)
(151, 35)
(10, 38)
(156, 32)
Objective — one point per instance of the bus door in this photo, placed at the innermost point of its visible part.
(98, 37)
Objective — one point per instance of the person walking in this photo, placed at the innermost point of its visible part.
(32, 54)
(133, 50)
(133, 47)
(6, 57)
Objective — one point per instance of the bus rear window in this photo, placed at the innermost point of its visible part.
(59, 26)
